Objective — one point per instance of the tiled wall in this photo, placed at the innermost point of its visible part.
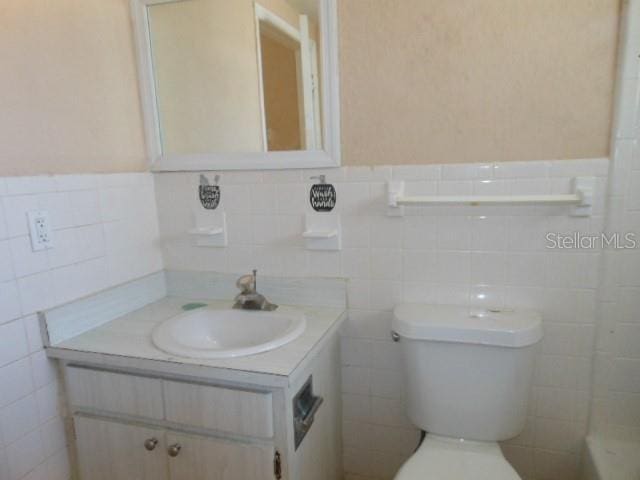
(485, 256)
(616, 404)
(105, 232)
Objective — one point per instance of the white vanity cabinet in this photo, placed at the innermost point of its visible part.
(109, 450)
(202, 458)
(133, 424)
(137, 427)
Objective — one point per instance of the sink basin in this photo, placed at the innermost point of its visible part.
(210, 333)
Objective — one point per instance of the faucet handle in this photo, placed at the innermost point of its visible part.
(247, 283)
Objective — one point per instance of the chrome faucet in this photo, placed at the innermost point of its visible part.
(249, 298)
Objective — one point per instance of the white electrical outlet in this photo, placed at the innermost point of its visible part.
(40, 230)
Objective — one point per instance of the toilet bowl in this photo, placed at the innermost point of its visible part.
(467, 378)
(442, 458)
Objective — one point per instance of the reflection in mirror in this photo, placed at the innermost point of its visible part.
(236, 76)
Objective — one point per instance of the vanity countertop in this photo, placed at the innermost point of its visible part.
(125, 342)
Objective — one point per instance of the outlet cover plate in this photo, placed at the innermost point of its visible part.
(40, 230)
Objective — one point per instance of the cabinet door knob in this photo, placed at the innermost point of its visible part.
(150, 443)
(174, 449)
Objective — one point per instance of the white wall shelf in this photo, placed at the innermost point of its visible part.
(214, 234)
(322, 231)
(206, 231)
(580, 199)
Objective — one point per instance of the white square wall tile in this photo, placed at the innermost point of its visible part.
(6, 266)
(416, 172)
(48, 402)
(36, 292)
(66, 250)
(389, 411)
(43, 369)
(385, 294)
(356, 407)
(19, 418)
(634, 191)
(34, 334)
(555, 403)
(15, 211)
(356, 263)
(53, 436)
(453, 294)
(420, 233)
(356, 380)
(58, 467)
(25, 454)
(572, 270)
(3, 222)
(386, 355)
(550, 464)
(453, 268)
(9, 301)
(356, 434)
(15, 381)
(59, 206)
(627, 340)
(90, 242)
(454, 233)
(38, 473)
(263, 199)
(386, 232)
(13, 342)
(557, 435)
(526, 170)
(367, 324)
(4, 463)
(85, 207)
(354, 198)
(114, 203)
(386, 264)
(25, 260)
(394, 439)
(570, 168)
(420, 266)
(469, 171)
(67, 183)
(625, 375)
(386, 384)
(30, 185)
(529, 186)
(355, 352)
(488, 268)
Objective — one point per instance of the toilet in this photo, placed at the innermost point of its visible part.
(467, 375)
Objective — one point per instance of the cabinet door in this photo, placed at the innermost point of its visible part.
(201, 458)
(96, 390)
(116, 451)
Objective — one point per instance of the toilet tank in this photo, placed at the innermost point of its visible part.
(467, 371)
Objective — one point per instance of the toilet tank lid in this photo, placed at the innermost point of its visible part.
(458, 324)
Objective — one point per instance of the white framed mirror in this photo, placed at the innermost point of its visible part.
(242, 84)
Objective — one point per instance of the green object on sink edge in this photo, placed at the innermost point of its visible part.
(193, 306)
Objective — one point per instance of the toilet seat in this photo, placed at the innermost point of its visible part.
(442, 458)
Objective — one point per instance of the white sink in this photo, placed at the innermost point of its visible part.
(210, 333)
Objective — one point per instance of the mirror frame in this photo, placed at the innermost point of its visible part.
(328, 157)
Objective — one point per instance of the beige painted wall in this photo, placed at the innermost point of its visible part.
(69, 99)
(422, 81)
(434, 81)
